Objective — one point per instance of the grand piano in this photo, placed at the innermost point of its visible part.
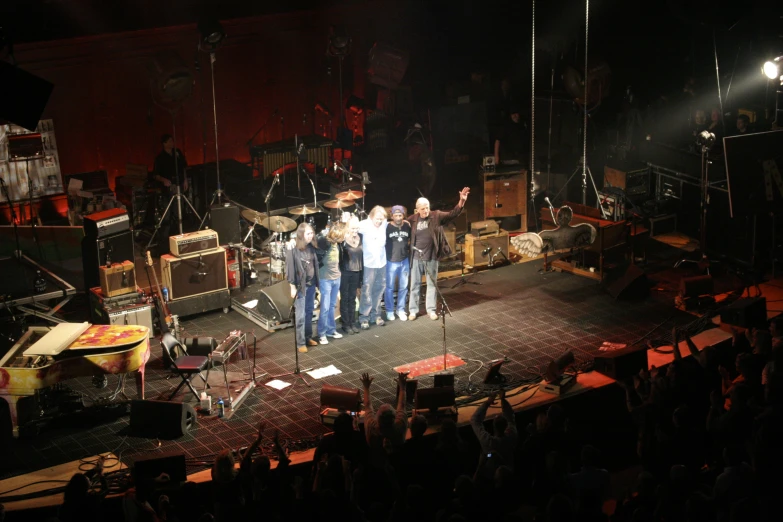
(44, 357)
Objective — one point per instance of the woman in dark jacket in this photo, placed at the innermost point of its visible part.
(351, 265)
(302, 274)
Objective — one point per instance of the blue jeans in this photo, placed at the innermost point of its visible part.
(372, 291)
(303, 307)
(418, 269)
(329, 289)
(394, 269)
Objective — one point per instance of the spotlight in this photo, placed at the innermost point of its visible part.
(555, 380)
(355, 104)
(339, 42)
(212, 32)
(336, 400)
(771, 68)
(705, 140)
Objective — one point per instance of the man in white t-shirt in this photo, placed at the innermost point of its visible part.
(373, 231)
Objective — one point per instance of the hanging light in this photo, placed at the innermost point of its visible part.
(771, 68)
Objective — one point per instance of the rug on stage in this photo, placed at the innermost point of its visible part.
(431, 365)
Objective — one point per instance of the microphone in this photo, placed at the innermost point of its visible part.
(486, 251)
(420, 251)
(200, 261)
(551, 209)
(548, 202)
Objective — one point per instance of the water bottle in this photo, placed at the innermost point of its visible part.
(221, 407)
(165, 292)
(40, 283)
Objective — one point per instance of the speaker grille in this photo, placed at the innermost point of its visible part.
(194, 275)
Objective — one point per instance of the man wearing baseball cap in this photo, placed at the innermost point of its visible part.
(398, 234)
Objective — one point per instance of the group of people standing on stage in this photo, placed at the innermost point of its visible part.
(375, 257)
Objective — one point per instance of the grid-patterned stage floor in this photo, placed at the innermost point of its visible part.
(516, 312)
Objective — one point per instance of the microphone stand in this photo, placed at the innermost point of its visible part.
(298, 372)
(444, 308)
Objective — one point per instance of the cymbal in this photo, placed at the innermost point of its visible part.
(252, 215)
(278, 224)
(351, 194)
(303, 210)
(338, 203)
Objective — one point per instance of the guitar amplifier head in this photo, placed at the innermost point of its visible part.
(194, 274)
(118, 279)
(193, 243)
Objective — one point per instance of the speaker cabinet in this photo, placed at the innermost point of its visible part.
(193, 275)
(348, 399)
(505, 195)
(631, 285)
(99, 252)
(621, 364)
(274, 302)
(224, 219)
(161, 419)
(746, 313)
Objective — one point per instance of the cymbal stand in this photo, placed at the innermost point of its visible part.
(269, 217)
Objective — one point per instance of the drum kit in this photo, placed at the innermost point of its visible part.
(274, 245)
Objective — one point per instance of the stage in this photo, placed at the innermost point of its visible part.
(517, 312)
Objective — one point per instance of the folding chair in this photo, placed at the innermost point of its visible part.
(184, 365)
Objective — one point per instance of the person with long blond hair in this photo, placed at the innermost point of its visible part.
(351, 267)
(302, 274)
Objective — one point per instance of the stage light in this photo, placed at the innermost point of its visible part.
(339, 42)
(336, 400)
(555, 379)
(355, 104)
(771, 68)
(212, 32)
(705, 140)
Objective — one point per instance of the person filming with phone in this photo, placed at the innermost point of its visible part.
(497, 448)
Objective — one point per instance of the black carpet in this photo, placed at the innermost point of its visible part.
(516, 312)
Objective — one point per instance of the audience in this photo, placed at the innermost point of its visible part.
(708, 441)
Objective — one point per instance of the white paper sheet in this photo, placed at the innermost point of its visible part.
(320, 373)
(277, 384)
(251, 304)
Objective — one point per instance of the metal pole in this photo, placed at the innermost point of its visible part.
(214, 115)
(584, 124)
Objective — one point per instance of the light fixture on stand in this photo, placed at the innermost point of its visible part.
(339, 46)
(773, 70)
(211, 36)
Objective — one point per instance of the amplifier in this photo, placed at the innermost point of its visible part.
(100, 251)
(193, 242)
(117, 279)
(479, 250)
(482, 228)
(194, 274)
(106, 223)
(633, 182)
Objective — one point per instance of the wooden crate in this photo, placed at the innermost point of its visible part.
(506, 196)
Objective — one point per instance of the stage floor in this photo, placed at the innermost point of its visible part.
(516, 312)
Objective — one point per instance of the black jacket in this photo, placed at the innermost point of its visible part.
(295, 270)
(439, 218)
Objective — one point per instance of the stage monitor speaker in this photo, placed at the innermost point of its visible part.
(746, 313)
(161, 419)
(274, 302)
(194, 274)
(434, 398)
(696, 286)
(631, 285)
(96, 252)
(146, 468)
(621, 364)
(224, 219)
